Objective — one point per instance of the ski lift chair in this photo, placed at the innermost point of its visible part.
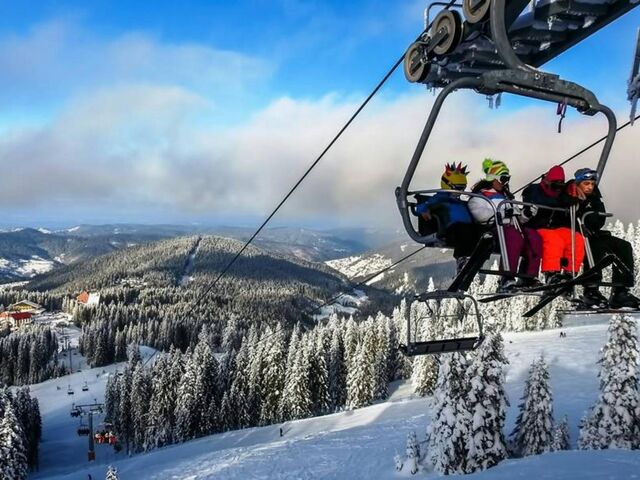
(83, 430)
(467, 308)
(70, 390)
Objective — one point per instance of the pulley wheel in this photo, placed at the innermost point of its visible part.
(476, 11)
(450, 22)
(416, 66)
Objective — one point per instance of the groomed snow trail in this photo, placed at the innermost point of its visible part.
(361, 444)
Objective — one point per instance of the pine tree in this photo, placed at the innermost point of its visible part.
(424, 375)
(187, 406)
(360, 374)
(615, 415)
(141, 390)
(413, 453)
(13, 451)
(318, 354)
(112, 473)
(561, 439)
(337, 371)
(299, 403)
(381, 368)
(274, 377)
(487, 403)
(533, 432)
(447, 433)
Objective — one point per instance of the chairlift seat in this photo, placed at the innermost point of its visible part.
(441, 346)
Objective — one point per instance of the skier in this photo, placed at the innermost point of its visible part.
(452, 214)
(601, 243)
(523, 242)
(554, 226)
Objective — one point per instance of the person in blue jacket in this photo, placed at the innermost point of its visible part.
(456, 226)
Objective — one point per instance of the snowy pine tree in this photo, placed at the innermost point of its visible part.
(615, 414)
(360, 376)
(13, 451)
(413, 453)
(447, 433)
(561, 439)
(112, 473)
(487, 403)
(425, 369)
(533, 432)
(337, 371)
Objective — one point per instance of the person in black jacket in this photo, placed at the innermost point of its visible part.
(554, 226)
(602, 242)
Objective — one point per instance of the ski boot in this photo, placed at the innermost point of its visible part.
(592, 298)
(529, 283)
(507, 285)
(556, 277)
(622, 298)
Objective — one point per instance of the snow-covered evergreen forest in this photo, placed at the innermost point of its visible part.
(250, 355)
(29, 355)
(20, 433)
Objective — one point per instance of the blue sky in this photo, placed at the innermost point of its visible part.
(190, 111)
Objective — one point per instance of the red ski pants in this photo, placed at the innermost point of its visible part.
(556, 245)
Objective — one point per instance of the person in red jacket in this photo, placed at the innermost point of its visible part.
(554, 226)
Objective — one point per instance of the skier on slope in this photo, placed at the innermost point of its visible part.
(603, 242)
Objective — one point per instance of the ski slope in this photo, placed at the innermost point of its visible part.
(356, 444)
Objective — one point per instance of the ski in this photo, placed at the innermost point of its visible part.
(564, 287)
(602, 264)
(600, 311)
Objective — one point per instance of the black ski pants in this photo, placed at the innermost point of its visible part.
(463, 237)
(603, 243)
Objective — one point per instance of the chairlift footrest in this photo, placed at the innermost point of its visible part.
(442, 346)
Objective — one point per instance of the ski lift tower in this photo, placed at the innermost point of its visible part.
(88, 410)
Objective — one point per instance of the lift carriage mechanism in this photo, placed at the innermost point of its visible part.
(497, 48)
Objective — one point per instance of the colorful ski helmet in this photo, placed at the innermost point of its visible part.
(454, 177)
(494, 169)
(585, 174)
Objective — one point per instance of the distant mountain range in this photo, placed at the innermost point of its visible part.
(25, 253)
(354, 252)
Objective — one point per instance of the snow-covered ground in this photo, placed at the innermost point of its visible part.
(346, 304)
(359, 266)
(356, 444)
(27, 267)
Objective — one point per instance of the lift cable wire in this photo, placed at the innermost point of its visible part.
(572, 157)
(312, 166)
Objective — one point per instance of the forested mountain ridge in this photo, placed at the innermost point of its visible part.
(162, 264)
(158, 294)
(28, 252)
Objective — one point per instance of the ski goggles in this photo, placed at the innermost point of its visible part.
(453, 186)
(556, 186)
(504, 179)
(585, 174)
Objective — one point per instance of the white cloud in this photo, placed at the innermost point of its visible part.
(140, 145)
